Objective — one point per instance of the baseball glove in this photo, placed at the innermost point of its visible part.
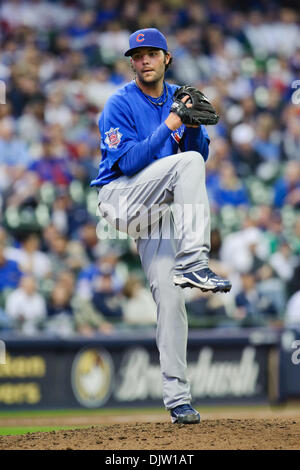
(201, 111)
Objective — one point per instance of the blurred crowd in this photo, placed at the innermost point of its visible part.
(59, 62)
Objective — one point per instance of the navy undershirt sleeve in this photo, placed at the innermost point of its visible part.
(195, 139)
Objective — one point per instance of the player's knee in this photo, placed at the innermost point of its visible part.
(167, 297)
(194, 158)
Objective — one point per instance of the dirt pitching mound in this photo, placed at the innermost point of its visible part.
(277, 433)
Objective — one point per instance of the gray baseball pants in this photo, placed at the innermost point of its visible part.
(165, 209)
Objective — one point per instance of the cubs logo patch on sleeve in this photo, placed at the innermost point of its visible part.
(113, 137)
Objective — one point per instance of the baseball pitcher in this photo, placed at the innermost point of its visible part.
(151, 185)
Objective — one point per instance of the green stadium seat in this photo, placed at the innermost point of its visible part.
(77, 191)
(47, 193)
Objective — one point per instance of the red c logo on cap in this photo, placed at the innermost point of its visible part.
(140, 37)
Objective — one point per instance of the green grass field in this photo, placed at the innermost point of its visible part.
(34, 414)
(77, 412)
(16, 430)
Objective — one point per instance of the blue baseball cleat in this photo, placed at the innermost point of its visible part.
(205, 279)
(184, 414)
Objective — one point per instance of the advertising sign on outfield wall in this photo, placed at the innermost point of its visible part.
(120, 373)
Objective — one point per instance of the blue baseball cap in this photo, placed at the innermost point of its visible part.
(149, 37)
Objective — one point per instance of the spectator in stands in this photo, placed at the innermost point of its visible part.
(139, 307)
(292, 316)
(291, 139)
(13, 151)
(267, 143)
(271, 290)
(273, 231)
(67, 279)
(50, 168)
(3, 236)
(287, 188)
(107, 263)
(239, 248)
(88, 320)
(66, 215)
(90, 241)
(252, 306)
(49, 233)
(205, 310)
(219, 152)
(66, 254)
(245, 158)
(23, 191)
(6, 323)
(9, 279)
(10, 273)
(295, 238)
(60, 320)
(105, 299)
(229, 189)
(27, 307)
(25, 88)
(59, 301)
(56, 111)
(31, 123)
(28, 256)
(15, 157)
(86, 163)
(56, 135)
(283, 262)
